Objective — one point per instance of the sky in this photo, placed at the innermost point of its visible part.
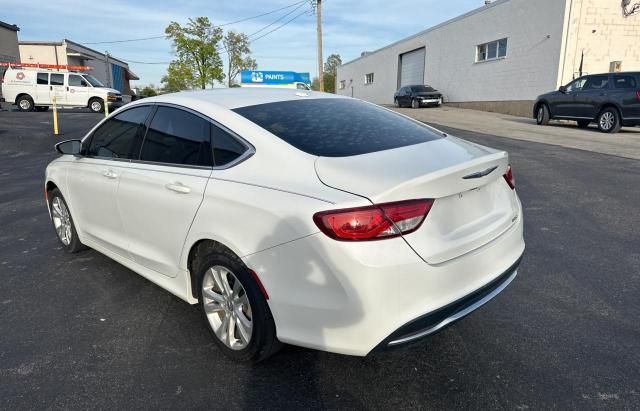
(349, 27)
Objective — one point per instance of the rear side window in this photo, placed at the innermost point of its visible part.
(226, 148)
(177, 137)
(43, 78)
(624, 82)
(57, 79)
(121, 136)
(337, 127)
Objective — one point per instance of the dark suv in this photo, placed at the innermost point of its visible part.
(611, 100)
(417, 96)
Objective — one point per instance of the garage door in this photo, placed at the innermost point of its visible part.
(412, 67)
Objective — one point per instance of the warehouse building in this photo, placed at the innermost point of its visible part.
(9, 51)
(111, 71)
(501, 56)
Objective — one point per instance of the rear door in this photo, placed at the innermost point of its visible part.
(161, 192)
(593, 95)
(57, 88)
(78, 91)
(626, 92)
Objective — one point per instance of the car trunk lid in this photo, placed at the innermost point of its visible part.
(473, 203)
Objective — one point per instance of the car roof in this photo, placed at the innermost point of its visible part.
(232, 98)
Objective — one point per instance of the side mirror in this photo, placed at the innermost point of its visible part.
(562, 89)
(73, 147)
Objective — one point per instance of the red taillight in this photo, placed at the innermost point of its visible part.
(376, 222)
(508, 176)
(638, 94)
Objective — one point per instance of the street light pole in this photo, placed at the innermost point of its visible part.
(319, 34)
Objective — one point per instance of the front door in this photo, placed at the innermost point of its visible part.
(57, 88)
(94, 179)
(78, 91)
(564, 104)
(160, 194)
(594, 93)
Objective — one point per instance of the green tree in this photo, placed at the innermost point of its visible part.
(330, 72)
(238, 55)
(179, 77)
(198, 62)
(315, 84)
(148, 91)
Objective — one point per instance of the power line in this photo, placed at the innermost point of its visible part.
(298, 3)
(222, 50)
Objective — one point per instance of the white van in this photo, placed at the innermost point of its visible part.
(31, 89)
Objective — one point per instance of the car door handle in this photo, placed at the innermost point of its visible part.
(178, 188)
(110, 174)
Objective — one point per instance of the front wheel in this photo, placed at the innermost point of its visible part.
(609, 120)
(63, 222)
(233, 306)
(542, 115)
(395, 103)
(96, 105)
(415, 103)
(25, 103)
(584, 123)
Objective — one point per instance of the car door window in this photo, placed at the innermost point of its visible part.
(77, 81)
(624, 82)
(57, 79)
(120, 136)
(576, 86)
(596, 83)
(177, 137)
(43, 78)
(226, 148)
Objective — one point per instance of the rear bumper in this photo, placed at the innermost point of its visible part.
(438, 320)
(351, 298)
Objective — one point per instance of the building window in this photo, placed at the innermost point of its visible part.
(492, 50)
(368, 78)
(342, 84)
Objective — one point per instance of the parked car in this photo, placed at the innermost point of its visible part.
(293, 217)
(34, 89)
(417, 96)
(611, 100)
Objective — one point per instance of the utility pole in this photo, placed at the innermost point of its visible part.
(318, 4)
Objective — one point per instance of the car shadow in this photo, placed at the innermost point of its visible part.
(567, 125)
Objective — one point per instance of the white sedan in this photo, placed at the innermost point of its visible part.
(293, 216)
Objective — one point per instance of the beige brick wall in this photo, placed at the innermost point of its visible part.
(599, 28)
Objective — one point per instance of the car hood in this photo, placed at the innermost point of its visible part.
(108, 90)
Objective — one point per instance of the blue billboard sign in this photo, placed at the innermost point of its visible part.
(275, 78)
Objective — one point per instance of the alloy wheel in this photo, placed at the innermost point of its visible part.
(61, 220)
(96, 106)
(25, 104)
(227, 307)
(607, 120)
(540, 114)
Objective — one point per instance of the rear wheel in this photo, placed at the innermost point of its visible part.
(233, 306)
(542, 115)
(609, 120)
(96, 105)
(63, 222)
(415, 103)
(584, 123)
(25, 103)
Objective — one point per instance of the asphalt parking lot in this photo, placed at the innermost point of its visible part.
(81, 331)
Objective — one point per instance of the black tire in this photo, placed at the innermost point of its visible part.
(263, 342)
(25, 103)
(542, 115)
(609, 120)
(74, 245)
(415, 103)
(96, 105)
(584, 123)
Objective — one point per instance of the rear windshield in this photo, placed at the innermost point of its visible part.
(337, 127)
(422, 89)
